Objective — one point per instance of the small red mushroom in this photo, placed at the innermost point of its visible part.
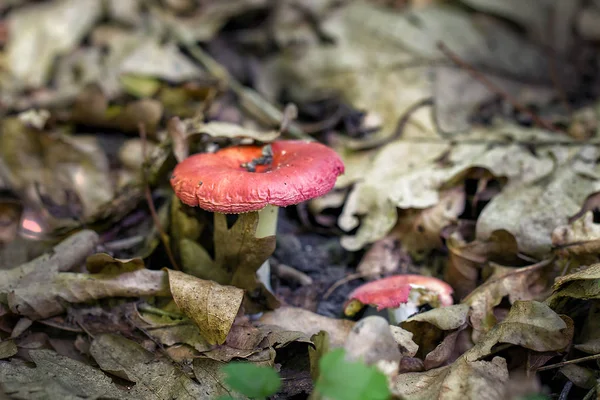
(395, 291)
(240, 179)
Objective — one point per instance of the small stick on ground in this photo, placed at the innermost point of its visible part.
(576, 361)
(495, 88)
(250, 100)
(341, 282)
(163, 236)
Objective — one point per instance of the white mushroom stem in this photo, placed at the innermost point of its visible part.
(267, 226)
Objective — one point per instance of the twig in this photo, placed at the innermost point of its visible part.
(564, 394)
(341, 282)
(551, 54)
(163, 236)
(589, 395)
(495, 88)
(563, 363)
(251, 100)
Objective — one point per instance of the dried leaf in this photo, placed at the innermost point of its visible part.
(468, 260)
(529, 324)
(309, 323)
(210, 373)
(52, 295)
(157, 379)
(419, 231)
(461, 380)
(35, 40)
(8, 348)
(58, 164)
(419, 179)
(67, 255)
(160, 60)
(526, 283)
(211, 306)
(59, 377)
(531, 212)
(579, 239)
(583, 284)
(238, 255)
(431, 328)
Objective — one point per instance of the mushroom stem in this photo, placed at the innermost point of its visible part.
(267, 226)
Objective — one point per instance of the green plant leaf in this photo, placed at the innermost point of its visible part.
(252, 380)
(345, 380)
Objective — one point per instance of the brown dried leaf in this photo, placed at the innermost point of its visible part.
(59, 377)
(238, 255)
(580, 240)
(419, 231)
(583, 284)
(67, 255)
(157, 379)
(517, 283)
(8, 348)
(529, 324)
(211, 306)
(51, 296)
(461, 380)
(431, 327)
(309, 323)
(467, 260)
(382, 258)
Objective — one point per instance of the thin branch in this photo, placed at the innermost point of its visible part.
(163, 236)
(576, 361)
(250, 100)
(495, 88)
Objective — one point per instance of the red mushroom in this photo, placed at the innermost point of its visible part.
(400, 292)
(240, 179)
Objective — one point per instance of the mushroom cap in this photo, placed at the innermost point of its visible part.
(394, 290)
(217, 182)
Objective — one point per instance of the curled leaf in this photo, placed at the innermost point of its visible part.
(211, 306)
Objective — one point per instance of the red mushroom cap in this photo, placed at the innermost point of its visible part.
(217, 182)
(392, 291)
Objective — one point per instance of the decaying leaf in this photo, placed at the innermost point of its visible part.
(309, 323)
(382, 258)
(583, 284)
(416, 182)
(580, 239)
(50, 296)
(210, 373)
(461, 380)
(467, 260)
(211, 306)
(238, 255)
(437, 330)
(67, 255)
(56, 376)
(168, 326)
(56, 163)
(155, 378)
(532, 212)
(526, 283)
(8, 348)
(529, 324)
(36, 39)
(419, 231)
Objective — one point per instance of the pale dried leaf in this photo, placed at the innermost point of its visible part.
(211, 306)
(158, 379)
